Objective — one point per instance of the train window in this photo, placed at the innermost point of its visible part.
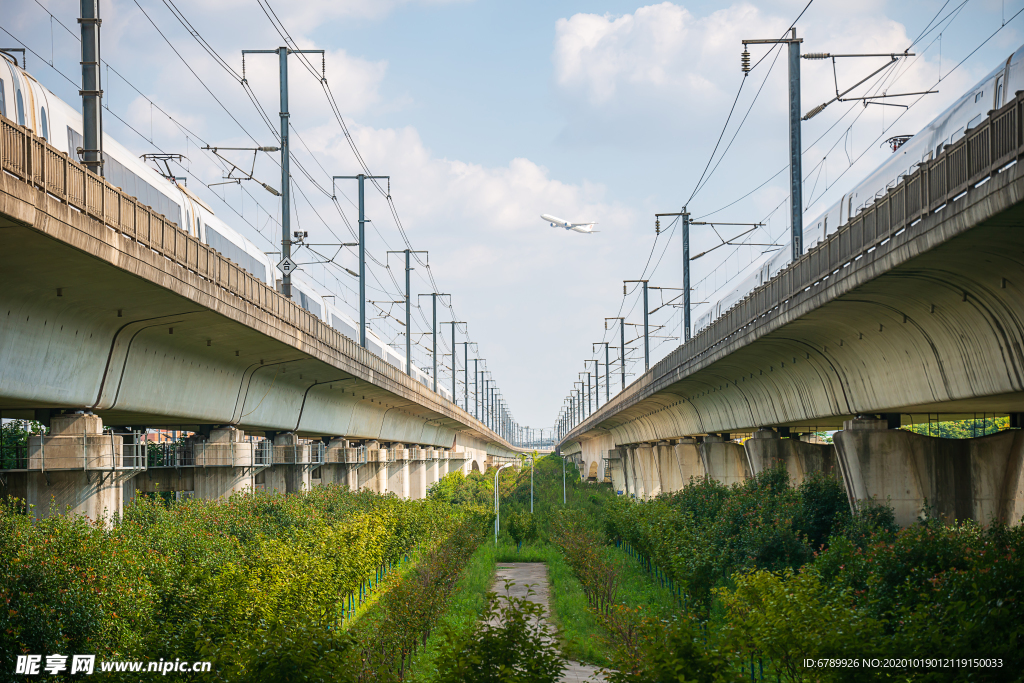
(232, 251)
(20, 104)
(308, 303)
(43, 126)
(826, 224)
(974, 122)
(340, 325)
(3, 99)
(999, 93)
(978, 95)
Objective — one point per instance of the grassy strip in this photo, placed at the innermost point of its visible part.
(467, 602)
(581, 633)
(639, 587)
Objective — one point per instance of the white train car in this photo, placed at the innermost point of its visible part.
(990, 93)
(27, 102)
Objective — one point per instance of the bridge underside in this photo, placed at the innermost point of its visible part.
(926, 321)
(95, 321)
(941, 333)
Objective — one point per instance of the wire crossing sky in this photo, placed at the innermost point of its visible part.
(486, 114)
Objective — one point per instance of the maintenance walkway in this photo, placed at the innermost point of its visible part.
(535, 575)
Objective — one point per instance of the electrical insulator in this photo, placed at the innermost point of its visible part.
(745, 61)
(814, 112)
(816, 55)
(624, 290)
(657, 226)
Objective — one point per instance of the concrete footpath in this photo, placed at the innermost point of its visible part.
(536, 574)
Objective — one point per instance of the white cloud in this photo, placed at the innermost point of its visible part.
(657, 47)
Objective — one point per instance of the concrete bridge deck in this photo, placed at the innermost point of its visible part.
(913, 307)
(108, 308)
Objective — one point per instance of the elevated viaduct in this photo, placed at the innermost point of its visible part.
(113, 321)
(915, 307)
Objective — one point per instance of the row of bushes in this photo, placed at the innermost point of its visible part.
(260, 585)
(775, 575)
(703, 533)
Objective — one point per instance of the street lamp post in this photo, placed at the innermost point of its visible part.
(563, 480)
(497, 513)
(533, 458)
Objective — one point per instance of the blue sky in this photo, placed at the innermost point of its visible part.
(488, 113)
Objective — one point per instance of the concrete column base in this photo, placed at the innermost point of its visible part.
(397, 474)
(766, 449)
(724, 461)
(76, 469)
(295, 458)
(615, 469)
(953, 479)
(686, 460)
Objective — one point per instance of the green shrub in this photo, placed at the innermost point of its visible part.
(512, 643)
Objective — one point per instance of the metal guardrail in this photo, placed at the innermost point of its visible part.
(106, 451)
(986, 149)
(355, 456)
(263, 456)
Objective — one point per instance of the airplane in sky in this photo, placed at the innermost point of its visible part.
(586, 228)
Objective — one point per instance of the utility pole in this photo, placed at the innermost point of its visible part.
(622, 346)
(453, 323)
(607, 377)
(433, 331)
(92, 88)
(362, 246)
(589, 407)
(686, 223)
(486, 402)
(684, 217)
(795, 151)
(465, 366)
(490, 401)
(286, 265)
(476, 388)
(647, 341)
(408, 309)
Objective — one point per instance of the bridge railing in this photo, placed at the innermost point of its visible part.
(985, 150)
(32, 160)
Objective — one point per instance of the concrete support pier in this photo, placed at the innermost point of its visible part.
(688, 460)
(767, 448)
(76, 468)
(724, 461)
(953, 479)
(398, 470)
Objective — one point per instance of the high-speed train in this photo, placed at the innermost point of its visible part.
(990, 93)
(24, 100)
